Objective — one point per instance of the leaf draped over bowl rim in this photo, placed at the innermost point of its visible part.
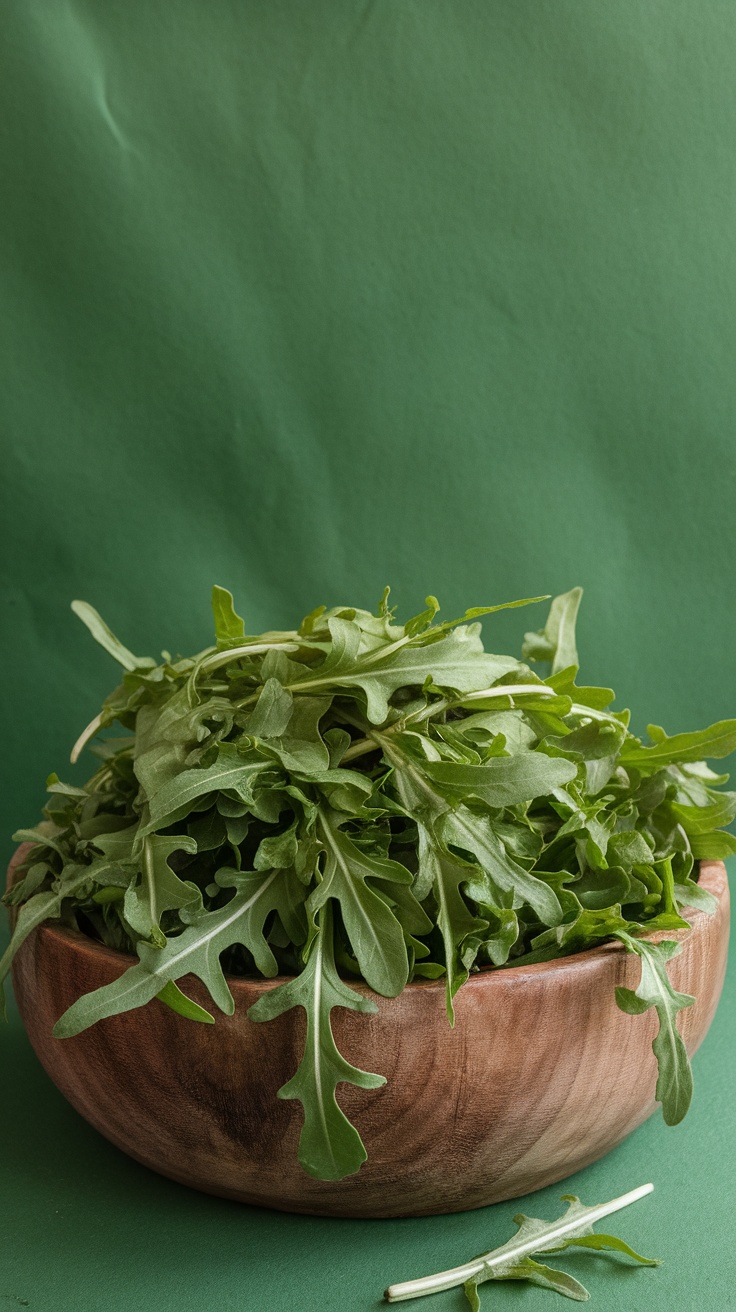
(359, 799)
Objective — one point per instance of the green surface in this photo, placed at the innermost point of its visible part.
(307, 298)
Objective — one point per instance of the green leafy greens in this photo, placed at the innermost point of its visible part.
(363, 800)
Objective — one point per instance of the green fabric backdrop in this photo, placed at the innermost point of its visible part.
(304, 298)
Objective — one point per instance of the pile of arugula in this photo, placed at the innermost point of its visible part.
(361, 799)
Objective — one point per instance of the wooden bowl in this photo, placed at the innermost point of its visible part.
(541, 1075)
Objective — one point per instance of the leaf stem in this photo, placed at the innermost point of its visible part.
(668, 885)
(509, 1252)
(150, 878)
(84, 738)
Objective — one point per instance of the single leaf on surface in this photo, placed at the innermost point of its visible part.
(229, 627)
(513, 1260)
(675, 1079)
(329, 1146)
(546, 1277)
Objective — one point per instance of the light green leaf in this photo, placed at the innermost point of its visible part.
(443, 873)
(690, 894)
(536, 1273)
(704, 819)
(456, 661)
(229, 628)
(713, 847)
(106, 638)
(298, 746)
(556, 641)
(272, 711)
(513, 1260)
(38, 908)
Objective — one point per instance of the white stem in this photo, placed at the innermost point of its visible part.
(148, 875)
(219, 658)
(510, 1252)
(592, 714)
(84, 737)
(508, 690)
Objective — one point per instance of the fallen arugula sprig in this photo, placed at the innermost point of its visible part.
(514, 1261)
(358, 799)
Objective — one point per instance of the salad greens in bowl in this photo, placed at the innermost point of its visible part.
(362, 802)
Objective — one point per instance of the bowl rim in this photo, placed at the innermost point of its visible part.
(712, 875)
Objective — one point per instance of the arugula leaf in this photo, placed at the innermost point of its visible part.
(474, 832)
(675, 1081)
(160, 889)
(229, 627)
(443, 873)
(504, 781)
(177, 1001)
(195, 951)
(40, 907)
(713, 743)
(329, 1146)
(234, 771)
(106, 638)
(456, 661)
(513, 1260)
(374, 932)
(556, 641)
(712, 847)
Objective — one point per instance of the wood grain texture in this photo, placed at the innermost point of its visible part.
(541, 1075)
